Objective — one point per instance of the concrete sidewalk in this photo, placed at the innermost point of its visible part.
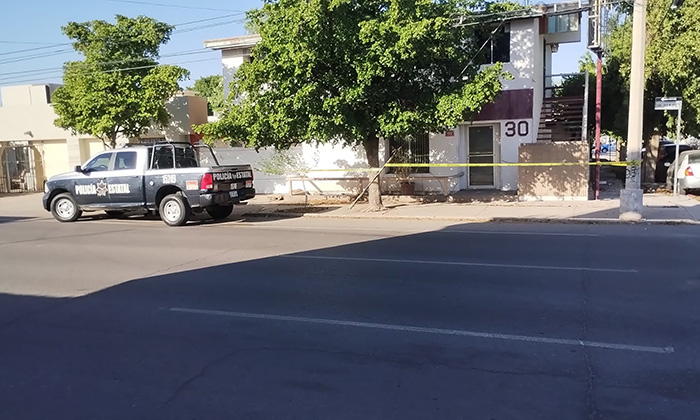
(658, 208)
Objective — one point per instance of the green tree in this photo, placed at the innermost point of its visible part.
(119, 89)
(212, 88)
(671, 69)
(672, 63)
(355, 71)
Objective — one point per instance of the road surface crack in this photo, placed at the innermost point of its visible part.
(392, 360)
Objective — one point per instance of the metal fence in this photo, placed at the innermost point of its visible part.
(18, 170)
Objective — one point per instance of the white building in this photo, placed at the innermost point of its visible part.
(521, 114)
(32, 148)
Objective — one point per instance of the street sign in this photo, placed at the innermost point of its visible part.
(672, 104)
(668, 104)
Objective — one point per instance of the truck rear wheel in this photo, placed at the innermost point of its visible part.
(65, 209)
(220, 212)
(174, 210)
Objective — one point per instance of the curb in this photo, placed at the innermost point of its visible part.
(569, 220)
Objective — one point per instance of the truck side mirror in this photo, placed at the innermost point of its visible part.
(78, 168)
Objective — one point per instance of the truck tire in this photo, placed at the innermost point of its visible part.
(220, 212)
(174, 210)
(65, 209)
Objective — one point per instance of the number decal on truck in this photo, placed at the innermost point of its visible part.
(169, 179)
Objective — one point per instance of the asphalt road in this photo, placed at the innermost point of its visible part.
(347, 319)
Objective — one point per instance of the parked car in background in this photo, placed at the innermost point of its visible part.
(667, 154)
(688, 172)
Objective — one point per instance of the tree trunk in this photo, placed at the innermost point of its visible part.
(651, 156)
(372, 151)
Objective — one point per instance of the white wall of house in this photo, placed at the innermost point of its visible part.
(186, 110)
(231, 60)
(523, 39)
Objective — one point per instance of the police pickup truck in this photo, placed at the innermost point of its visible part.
(173, 179)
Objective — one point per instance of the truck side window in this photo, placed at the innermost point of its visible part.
(185, 158)
(99, 163)
(125, 160)
(163, 158)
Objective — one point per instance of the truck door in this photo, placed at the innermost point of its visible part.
(90, 187)
(125, 184)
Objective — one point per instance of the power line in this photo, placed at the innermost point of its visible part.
(45, 78)
(21, 74)
(176, 31)
(35, 56)
(174, 6)
(26, 43)
(197, 28)
(209, 19)
(35, 48)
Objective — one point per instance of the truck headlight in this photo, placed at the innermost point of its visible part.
(46, 188)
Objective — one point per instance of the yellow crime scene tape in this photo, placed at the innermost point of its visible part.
(479, 165)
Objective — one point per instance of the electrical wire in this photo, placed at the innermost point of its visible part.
(176, 31)
(177, 6)
(22, 74)
(45, 78)
(25, 42)
(37, 56)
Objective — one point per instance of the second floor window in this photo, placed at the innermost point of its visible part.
(563, 23)
(497, 48)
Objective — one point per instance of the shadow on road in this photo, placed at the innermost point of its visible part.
(361, 331)
(9, 219)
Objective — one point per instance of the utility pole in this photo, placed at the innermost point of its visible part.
(631, 195)
(595, 44)
(598, 109)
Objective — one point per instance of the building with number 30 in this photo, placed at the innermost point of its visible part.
(531, 121)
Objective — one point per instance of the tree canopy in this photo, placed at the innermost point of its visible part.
(212, 88)
(354, 71)
(672, 65)
(119, 88)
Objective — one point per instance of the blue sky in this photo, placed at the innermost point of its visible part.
(37, 25)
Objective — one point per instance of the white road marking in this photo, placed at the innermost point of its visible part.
(465, 264)
(441, 331)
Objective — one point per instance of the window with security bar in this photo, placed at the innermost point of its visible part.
(494, 44)
(414, 149)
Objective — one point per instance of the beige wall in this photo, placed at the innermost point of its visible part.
(27, 117)
(54, 158)
(553, 182)
(25, 95)
(89, 148)
(185, 111)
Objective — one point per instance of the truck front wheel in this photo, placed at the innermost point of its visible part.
(65, 209)
(219, 212)
(174, 210)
